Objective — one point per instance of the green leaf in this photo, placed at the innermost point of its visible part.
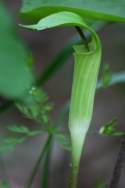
(20, 135)
(18, 129)
(106, 77)
(7, 144)
(15, 74)
(24, 130)
(109, 129)
(35, 105)
(111, 10)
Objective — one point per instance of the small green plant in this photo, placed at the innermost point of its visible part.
(20, 88)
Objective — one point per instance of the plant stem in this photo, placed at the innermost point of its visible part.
(73, 177)
(118, 166)
(83, 37)
(46, 165)
(41, 157)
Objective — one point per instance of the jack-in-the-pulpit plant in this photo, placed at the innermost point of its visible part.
(20, 88)
(83, 91)
(87, 62)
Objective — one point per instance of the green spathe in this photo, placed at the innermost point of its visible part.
(83, 92)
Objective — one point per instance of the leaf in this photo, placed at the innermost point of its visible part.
(20, 135)
(109, 129)
(15, 74)
(35, 105)
(24, 130)
(106, 77)
(111, 10)
(18, 129)
(7, 144)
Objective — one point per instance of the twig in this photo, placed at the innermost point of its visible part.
(118, 166)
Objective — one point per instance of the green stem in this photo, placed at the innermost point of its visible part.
(46, 167)
(83, 37)
(41, 157)
(118, 166)
(73, 176)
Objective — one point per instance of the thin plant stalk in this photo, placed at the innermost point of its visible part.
(118, 166)
(46, 166)
(41, 157)
(83, 37)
